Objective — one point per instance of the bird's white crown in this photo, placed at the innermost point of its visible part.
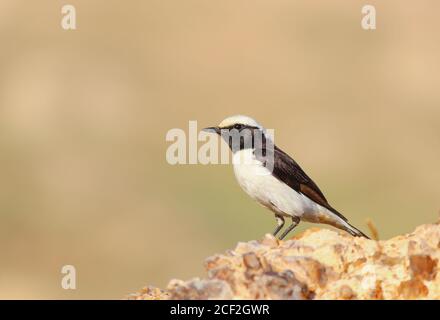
(239, 119)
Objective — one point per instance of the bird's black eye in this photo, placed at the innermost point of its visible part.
(238, 126)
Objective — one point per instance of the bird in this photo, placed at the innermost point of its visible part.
(276, 181)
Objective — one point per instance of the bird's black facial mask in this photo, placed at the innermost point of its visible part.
(241, 137)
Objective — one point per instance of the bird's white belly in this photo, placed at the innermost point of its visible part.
(260, 184)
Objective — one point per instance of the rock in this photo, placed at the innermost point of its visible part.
(423, 266)
(149, 293)
(197, 289)
(319, 264)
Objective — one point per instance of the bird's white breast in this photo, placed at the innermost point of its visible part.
(259, 183)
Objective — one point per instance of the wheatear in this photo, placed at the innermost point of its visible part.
(274, 179)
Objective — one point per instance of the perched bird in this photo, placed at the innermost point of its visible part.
(274, 179)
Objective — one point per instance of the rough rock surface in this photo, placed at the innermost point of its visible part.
(319, 264)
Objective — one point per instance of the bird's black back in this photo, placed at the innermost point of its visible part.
(289, 172)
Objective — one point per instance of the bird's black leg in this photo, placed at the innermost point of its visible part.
(295, 221)
(280, 224)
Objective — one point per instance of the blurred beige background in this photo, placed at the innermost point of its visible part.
(83, 118)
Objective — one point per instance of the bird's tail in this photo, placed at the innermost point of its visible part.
(354, 231)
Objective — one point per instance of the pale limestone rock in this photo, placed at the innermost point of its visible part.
(319, 264)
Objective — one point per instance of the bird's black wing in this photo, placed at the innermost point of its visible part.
(288, 171)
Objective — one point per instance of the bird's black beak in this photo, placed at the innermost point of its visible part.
(212, 130)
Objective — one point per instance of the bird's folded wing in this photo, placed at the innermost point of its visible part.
(288, 171)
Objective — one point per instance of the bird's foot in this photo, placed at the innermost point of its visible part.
(280, 224)
(295, 221)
